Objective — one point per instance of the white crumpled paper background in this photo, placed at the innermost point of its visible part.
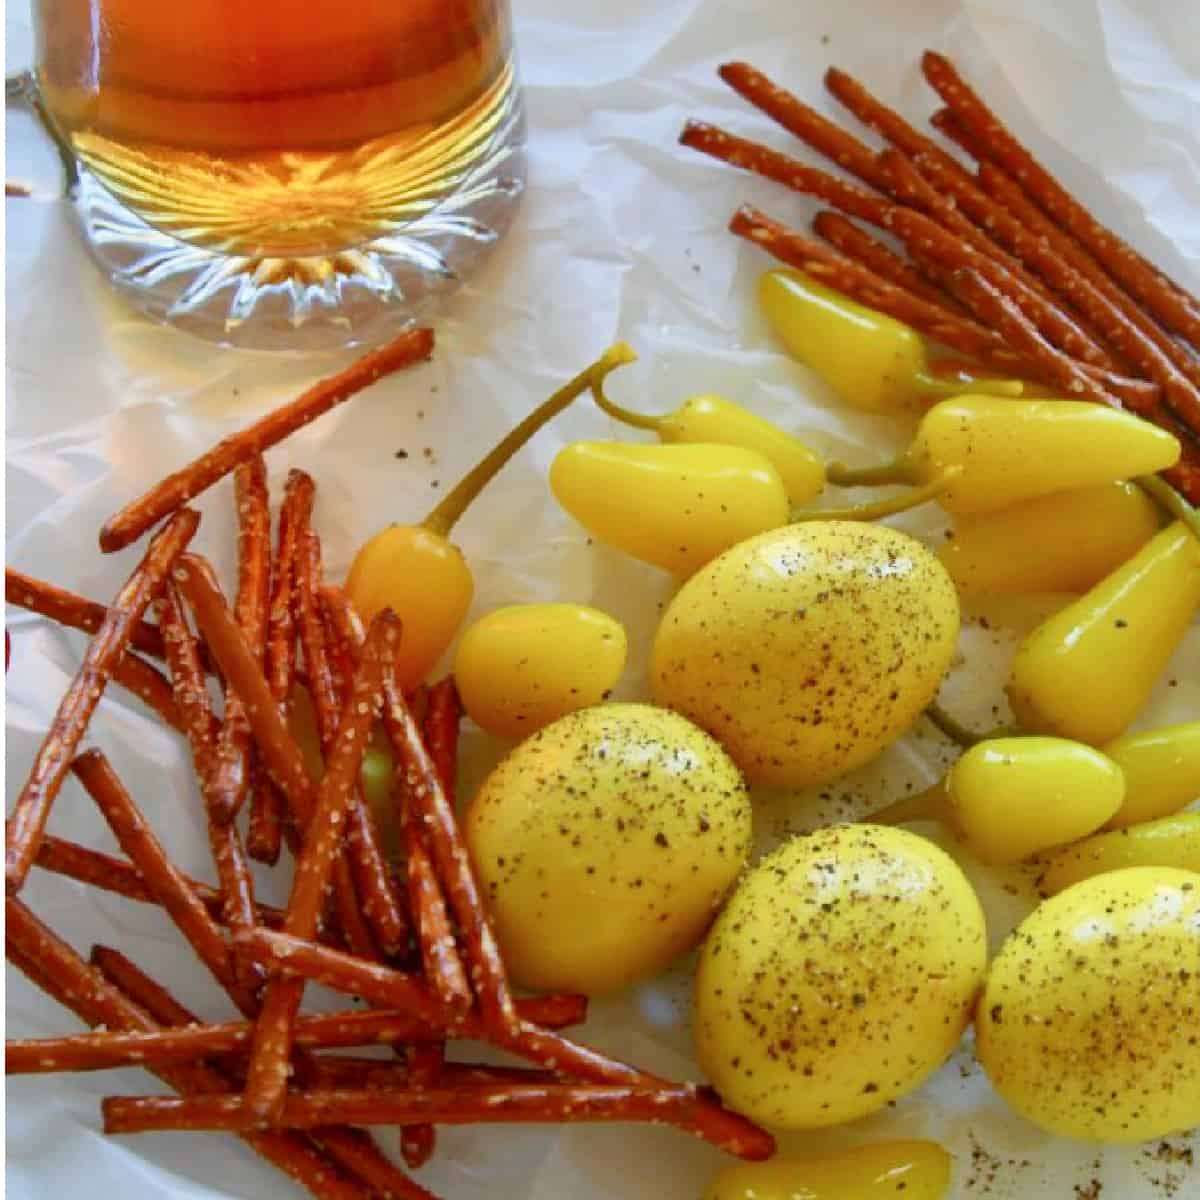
(621, 235)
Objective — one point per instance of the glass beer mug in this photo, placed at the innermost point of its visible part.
(292, 173)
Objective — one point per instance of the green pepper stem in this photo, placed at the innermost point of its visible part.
(446, 514)
(900, 470)
(935, 386)
(1170, 501)
(929, 805)
(956, 732)
(884, 508)
(624, 415)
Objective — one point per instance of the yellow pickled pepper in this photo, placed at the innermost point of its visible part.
(712, 418)
(910, 1169)
(676, 506)
(418, 572)
(1009, 798)
(872, 361)
(1087, 672)
(1168, 842)
(1161, 769)
(995, 453)
(1062, 542)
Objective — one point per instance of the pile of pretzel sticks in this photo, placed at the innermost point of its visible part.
(1003, 264)
(417, 946)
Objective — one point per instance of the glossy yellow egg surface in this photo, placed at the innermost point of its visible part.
(605, 843)
(841, 973)
(1087, 1025)
(808, 649)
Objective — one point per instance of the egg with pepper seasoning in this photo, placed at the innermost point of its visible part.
(841, 973)
(604, 845)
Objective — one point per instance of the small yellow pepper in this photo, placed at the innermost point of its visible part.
(417, 572)
(1087, 672)
(872, 361)
(1161, 769)
(1063, 542)
(1009, 451)
(1011, 798)
(712, 418)
(1167, 842)
(521, 667)
(901, 1170)
(676, 506)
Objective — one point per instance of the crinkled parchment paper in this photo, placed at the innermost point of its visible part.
(621, 235)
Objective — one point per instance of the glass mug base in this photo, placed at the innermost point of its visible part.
(311, 301)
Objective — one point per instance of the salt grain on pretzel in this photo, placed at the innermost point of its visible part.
(27, 821)
(1171, 305)
(266, 1079)
(56, 966)
(178, 488)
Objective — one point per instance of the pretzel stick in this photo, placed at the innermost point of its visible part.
(858, 246)
(424, 791)
(115, 875)
(266, 1078)
(388, 1027)
(27, 821)
(347, 1071)
(805, 122)
(181, 486)
(354, 1149)
(372, 880)
(753, 156)
(191, 690)
(342, 617)
(97, 1002)
(233, 756)
(1170, 304)
(162, 878)
(1003, 315)
(941, 324)
(76, 612)
(382, 985)
(507, 1103)
(1124, 326)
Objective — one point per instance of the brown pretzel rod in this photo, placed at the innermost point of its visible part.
(195, 705)
(162, 878)
(942, 325)
(423, 790)
(805, 122)
(264, 834)
(1118, 320)
(418, 1142)
(1026, 218)
(97, 1002)
(343, 618)
(390, 1027)
(233, 756)
(350, 1071)
(181, 486)
(506, 1103)
(372, 880)
(999, 312)
(76, 612)
(1171, 305)
(771, 164)
(266, 1078)
(27, 821)
(860, 247)
(939, 227)
(355, 1150)
(121, 878)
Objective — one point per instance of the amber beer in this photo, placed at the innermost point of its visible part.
(276, 127)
